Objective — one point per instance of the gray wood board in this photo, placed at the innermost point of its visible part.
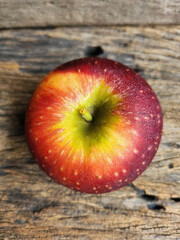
(44, 13)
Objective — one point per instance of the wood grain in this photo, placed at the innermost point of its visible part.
(44, 13)
(34, 207)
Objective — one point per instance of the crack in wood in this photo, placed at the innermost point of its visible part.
(142, 193)
(37, 208)
(175, 199)
(91, 51)
(155, 206)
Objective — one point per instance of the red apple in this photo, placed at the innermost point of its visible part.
(93, 125)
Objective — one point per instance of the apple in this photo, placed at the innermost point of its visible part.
(93, 125)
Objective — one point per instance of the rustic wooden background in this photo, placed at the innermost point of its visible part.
(36, 37)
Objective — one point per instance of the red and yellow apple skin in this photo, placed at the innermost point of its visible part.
(103, 153)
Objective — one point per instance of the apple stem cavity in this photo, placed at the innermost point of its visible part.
(86, 115)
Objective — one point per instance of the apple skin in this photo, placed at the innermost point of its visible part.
(107, 153)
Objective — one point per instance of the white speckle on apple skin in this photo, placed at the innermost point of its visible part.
(135, 151)
(116, 174)
(149, 148)
(134, 132)
(62, 152)
(109, 160)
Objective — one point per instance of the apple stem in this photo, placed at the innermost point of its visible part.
(86, 115)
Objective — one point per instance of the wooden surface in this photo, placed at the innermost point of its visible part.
(43, 13)
(32, 206)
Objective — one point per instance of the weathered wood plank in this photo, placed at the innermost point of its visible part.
(34, 207)
(43, 13)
